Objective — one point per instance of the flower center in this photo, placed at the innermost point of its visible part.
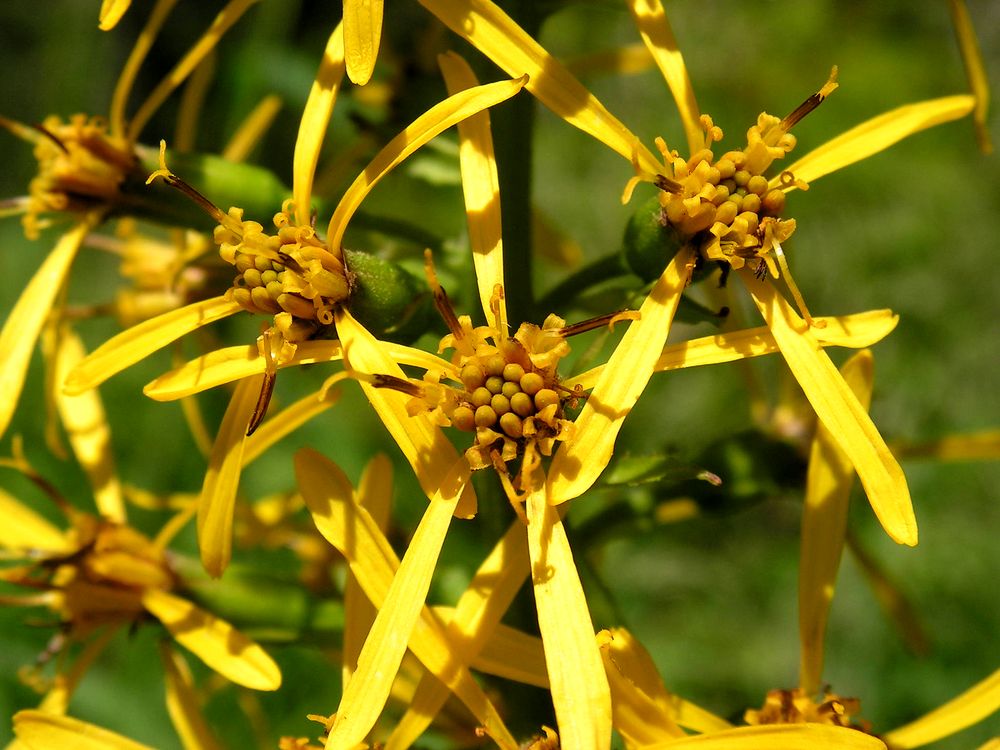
(795, 707)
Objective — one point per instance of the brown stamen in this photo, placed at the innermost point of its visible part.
(667, 185)
(600, 321)
(51, 136)
(811, 103)
(394, 383)
(263, 400)
(177, 183)
(441, 301)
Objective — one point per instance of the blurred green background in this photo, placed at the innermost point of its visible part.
(713, 597)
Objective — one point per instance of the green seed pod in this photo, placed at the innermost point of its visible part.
(390, 301)
(648, 244)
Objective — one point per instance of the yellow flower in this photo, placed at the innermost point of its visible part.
(81, 166)
(112, 12)
(713, 230)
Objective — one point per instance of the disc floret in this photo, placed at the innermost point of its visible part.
(798, 707)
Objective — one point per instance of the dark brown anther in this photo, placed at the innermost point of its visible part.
(396, 384)
(441, 301)
(599, 322)
(667, 185)
(811, 103)
(263, 400)
(51, 136)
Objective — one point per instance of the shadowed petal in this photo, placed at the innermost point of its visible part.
(139, 341)
(24, 324)
(480, 185)
(214, 641)
(661, 43)
(362, 33)
(877, 135)
(432, 123)
(489, 29)
(962, 711)
(183, 704)
(24, 530)
(38, 730)
(974, 70)
(579, 685)
(582, 458)
(839, 409)
(824, 524)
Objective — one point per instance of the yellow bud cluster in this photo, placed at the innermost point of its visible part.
(725, 204)
(80, 166)
(291, 272)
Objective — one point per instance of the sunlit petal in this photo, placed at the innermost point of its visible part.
(214, 641)
(582, 458)
(852, 331)
(433, 122)
(975, 70)
(659, 39)
(839, 409)
(350, 529)
(314, 122)
(362, 33)
(218, 492)
(480, 185)
(88, 431)
(580, 693)
(24, 530)
(964, 710)
(490, 30)
(824, 524)
(778, 737)
(111, 13)
(44, 731)
(183, 703)
(878, 134)
(139, 341)
(24, 324)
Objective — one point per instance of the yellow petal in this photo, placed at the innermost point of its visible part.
(314, 122)
(962, 711)
(43, 731)
(778, 737)
(839, 409)
(976, 446)
(252, 129)
(362, 33)
(430, 124)
(88, 431)
(351, 529)
(223, 21)
(24, 324)
(824, 524)
(112, 12)
(484, 25)
(508, 652)
(286, 422)
(580, 693)
(582, 458)
(139, 341)
(471, 626)
(480, 186)
(974, 70)
(218, 492)
(424, 445)
(24, 530)
(853, 331)
(659, 39)
(993, 744)
(214, 641)
(183, 703)
(878, 134)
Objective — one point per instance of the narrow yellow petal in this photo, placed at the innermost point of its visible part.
(111, 13)
(366, 694)
(214, 641)
(853, 331)
(362, 33)
(839, 409)
(44, 731)
(88, 431)
(824, 525)
(472, 625)
(139, 341)
(659, 39)
(580, 693)
(424, 445)
(511, 653)
(975, 446)
(286, 422)
(351, 529)
(582, 458)
(223, 21)
(993, 744)
(480, 186)
(962, 711)
(218, 492)
(484, 25)
(878, 134)
(252, 129)
(183, 703)
(430, 124)
(24, 324)
(24, 530)
(778, 737)
(974, 70)
(314, 122)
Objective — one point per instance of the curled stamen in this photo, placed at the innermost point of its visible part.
(811, 103)
(177, 183)
(590, 324)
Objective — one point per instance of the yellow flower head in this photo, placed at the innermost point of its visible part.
(796, 707)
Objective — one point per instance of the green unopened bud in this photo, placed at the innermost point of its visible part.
(649, 244)
(390, 301)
